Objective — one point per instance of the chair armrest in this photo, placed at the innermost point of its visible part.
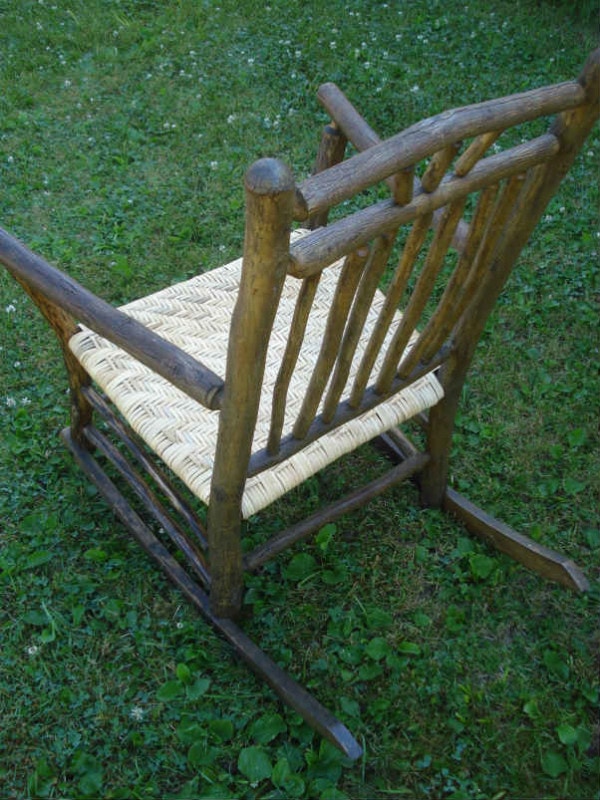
(48, 285)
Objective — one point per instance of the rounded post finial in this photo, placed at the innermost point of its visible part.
(269, 176)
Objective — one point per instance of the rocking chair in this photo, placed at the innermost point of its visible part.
(245, 381)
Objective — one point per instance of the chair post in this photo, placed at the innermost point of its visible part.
(331, 152)
(270, 190)
(571, 128)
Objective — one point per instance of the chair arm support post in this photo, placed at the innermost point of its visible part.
(270, 192)
(331, 151)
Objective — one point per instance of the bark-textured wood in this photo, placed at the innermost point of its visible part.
(304, 303)
(331, 151)
(270, 192)
(59, 290)
(157, 476)
(348, 281)
(424, 138)
(294, 695)
(515, 187)
(325, 245)
(458, 291)
(474, 152)
(290, 444)
(420, 295)
(347, 504)
(356, 321)
(150, 501)
(395, 291)
(570, 129)
(534, 556)
(403, 188)
(403, 184)
(439, 163)
(494, 229)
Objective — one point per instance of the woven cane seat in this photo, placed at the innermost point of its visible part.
(195, 315)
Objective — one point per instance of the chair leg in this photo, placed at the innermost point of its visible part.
(540, 559)
(294, 695)
(432, 481)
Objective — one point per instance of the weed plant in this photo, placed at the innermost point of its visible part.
(125, 130)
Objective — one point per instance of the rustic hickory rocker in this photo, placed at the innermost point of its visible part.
(246, 380)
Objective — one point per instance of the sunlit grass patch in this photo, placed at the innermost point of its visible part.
(126, 127)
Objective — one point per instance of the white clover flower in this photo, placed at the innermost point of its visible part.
(137, 713)
(67, 83)
(214, 164)
(250, 61)
(10, 402)
(10, 159)
(25, 401)
(231, 118)
(10, 308)
(17, 364)
(414, 89)
(32, 650)
(179, 626)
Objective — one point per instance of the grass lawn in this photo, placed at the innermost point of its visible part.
(125, 130)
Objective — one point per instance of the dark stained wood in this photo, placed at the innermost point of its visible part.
(474, 152)
(294, 695)
(43, 280)
(459, 289)
(420, 295)
(426, 137)
(436, 169)
(534, 556)
(403, 184)
(403, 188)
(347, 283)
(570, 130)
(262, 459)
(516, 186)
(325, 245)
(347, 504)
(356, 321)
(304, 303)
(395, 291)
(149, 500)
(270, 190)
(331, 151)
(137, 450)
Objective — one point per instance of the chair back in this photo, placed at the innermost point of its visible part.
(467, 188)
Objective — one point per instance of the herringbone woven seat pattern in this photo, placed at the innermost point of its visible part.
(196, 315)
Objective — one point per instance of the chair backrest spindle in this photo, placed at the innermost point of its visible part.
(482, 197)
